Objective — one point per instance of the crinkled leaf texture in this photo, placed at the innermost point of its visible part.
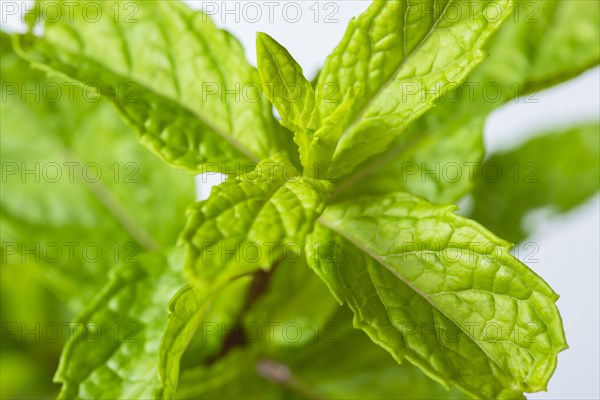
(190, 307)
(184, 85)
(114, 351)
(397, 62)
(251, 223)
(440, 291)
(546, 42)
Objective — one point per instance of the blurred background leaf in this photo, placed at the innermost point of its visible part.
(557, 171)
(64, 226)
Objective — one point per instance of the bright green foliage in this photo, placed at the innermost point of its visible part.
(390, 51)
(544, 42)
(425, 284)
(251, 224)
(77, 206)
(386, 53)
(173, 92)
(532, 180)
(116, 355)
(289, 91)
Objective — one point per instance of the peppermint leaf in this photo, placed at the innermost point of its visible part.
(391, 51)
(440, 291)
(559, 170)
(251, 224)
(541, 44)
(190, 94)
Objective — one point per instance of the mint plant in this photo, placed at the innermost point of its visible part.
(319, 209)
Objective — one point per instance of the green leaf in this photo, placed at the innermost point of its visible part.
(187, 310)
(232, 377)
(308, 306)
(541, 44)
(290, 92)
(183, 84)
(69, 211)
(114, 350)
(440, 291)
(29, 357)
(340, 363)
(398, 62)
(251, 224)
(559, 170)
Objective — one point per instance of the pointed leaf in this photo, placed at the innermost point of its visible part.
(251, 224)
(440, 291)
(544, 42)
(183, 84)
(290, 92)
(399, 57)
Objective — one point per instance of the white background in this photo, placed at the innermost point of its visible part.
(568, 255)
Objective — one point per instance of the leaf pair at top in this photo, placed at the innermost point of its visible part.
(426, 285)
(391, 65)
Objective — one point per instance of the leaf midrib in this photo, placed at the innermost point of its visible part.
(331, 225)
(143, 87)
(114, 207)
(358, 117)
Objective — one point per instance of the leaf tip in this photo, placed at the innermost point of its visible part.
(262, 39)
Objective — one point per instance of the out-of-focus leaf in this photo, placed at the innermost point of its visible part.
(308, 306)
(234, 377)
(33, 332)
(558, 170)
(68, 209)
